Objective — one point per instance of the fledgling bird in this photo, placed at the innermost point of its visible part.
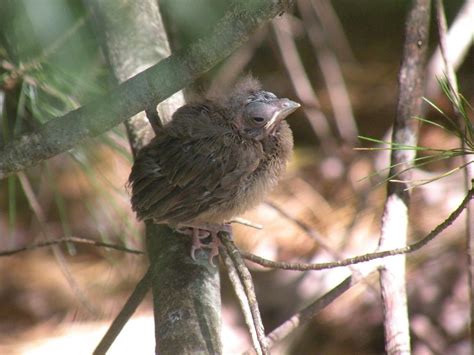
(213, 161)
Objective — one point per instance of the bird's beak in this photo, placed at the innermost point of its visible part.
(284, 108)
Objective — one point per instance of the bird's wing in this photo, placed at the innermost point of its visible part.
(190, 168)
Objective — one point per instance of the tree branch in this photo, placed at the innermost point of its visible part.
(370, 256)
(306, 314)
(281, 265)
(186, 295)
(395, 217)
(142, 91)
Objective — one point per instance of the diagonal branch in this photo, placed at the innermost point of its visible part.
(247, 283)
(241, 297)
(307, 314)
(141, 91)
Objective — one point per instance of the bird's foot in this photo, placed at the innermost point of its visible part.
(199, 232)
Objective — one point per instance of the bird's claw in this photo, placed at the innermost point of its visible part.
(200, 232)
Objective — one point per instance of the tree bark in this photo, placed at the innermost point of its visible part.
(186, 296)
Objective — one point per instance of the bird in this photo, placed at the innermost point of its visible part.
(217, 157)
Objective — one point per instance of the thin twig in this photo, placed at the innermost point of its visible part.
(125, 314)
(247, 283)
(366, 257)
(246, 222)
(241, 297)
(315, 235)
(299, 79)
(21, 70)
(41, 218)
(443, 45)
(77, 240)
(311, 232)
(332, 74)
(282, 265)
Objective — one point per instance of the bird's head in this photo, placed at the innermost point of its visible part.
(258, 113)
(262, 114)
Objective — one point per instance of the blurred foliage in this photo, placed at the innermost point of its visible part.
(50, 60)
(51, 64)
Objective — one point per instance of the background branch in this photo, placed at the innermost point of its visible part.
(459, 40)
(76, 240)
(395, 217)
(305, 315)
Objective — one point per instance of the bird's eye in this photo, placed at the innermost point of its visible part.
(269, 96)
(258, 119)
(251, 98)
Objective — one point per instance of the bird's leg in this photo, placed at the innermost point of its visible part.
(197, 234)
(201, 231)
(215, 229)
